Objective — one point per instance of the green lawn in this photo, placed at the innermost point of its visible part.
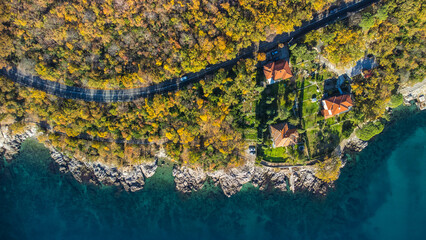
(313, 140)
(310, 109)
(330, 121)
(311, 121)
(324, 75)
(275, 154)
(250, 134)
(309, 92)
(338, 127)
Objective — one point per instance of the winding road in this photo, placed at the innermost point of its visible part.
(125, 95)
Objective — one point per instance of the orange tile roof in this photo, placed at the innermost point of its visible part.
(283, 136)
(268, 70)
(277, 70)
(336, 105)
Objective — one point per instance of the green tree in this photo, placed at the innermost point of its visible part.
(369, 130)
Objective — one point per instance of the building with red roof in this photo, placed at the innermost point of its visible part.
(279, 70)
(284, 136)
(336, 105)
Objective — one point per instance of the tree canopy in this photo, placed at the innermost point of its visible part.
(128, 43)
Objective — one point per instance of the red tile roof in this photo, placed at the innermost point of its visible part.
(277, 70)
(336, 105)
(283, 136)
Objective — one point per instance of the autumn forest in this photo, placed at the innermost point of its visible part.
(112, 44)
(128, 43)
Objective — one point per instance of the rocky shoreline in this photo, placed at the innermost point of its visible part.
(231, 180)
(132, 178)
(129, 178)
(11, 143)
(297, 178)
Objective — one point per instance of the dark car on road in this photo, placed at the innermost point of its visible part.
(252, 150)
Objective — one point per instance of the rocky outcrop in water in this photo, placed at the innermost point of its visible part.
(130, 178)
(187, 179)
(355, 145)
(232, 180)
(304, 179)
(10, 143)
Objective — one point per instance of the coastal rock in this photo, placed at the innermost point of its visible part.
(260, 178)
(129, 178)
(80, 171)
(264, 178)
(148, 169)
(10, 144)
(132, 179)
(355, 145)
(232, 180)
(103, 174)
(187, 179)
(304, 179)
(279, 180)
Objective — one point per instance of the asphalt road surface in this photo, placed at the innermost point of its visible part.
(125, 95)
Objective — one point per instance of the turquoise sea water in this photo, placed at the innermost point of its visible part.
(381, 194)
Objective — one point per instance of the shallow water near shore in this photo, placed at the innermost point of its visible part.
(381, 194)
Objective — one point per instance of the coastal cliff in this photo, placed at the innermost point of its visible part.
(132, 178)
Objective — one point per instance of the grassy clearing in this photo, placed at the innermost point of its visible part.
(275, 154)
(311, 121)
(312, 140)
(310, 108)
(250, 134)
(310, 92)
(324, 75)
(338, 128)
(330, 121)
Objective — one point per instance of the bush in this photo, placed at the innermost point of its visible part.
(301, 131)
(261, 57)
(328, 170)
(367, 21)
(369, 130)
(396, 100)
(293, 121)
(17, 128)
(347, 128)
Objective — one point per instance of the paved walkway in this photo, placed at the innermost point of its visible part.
(125, 95)
(286, 165)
